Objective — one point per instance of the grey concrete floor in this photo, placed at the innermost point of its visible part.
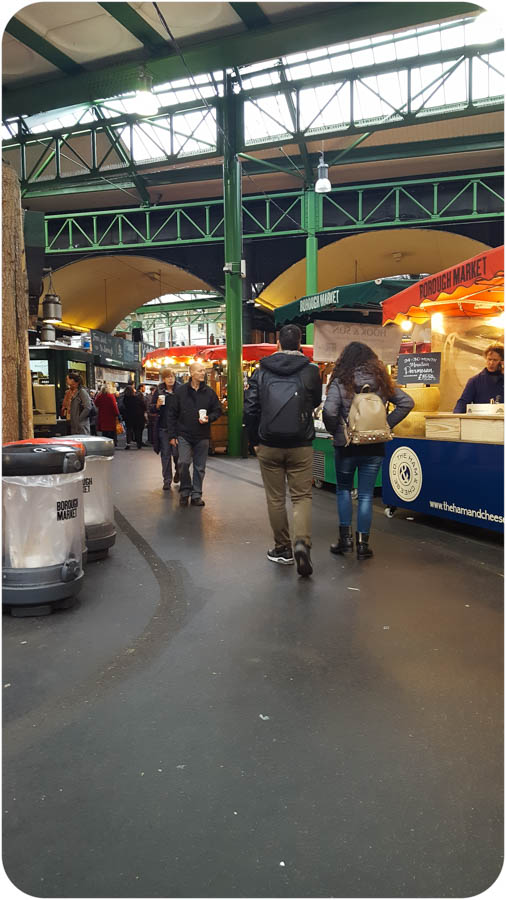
(205, 724)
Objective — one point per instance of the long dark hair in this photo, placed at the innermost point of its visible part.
(359, 356)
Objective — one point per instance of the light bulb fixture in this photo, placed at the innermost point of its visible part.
(51, 305)
(406, 325)
(323, 185)
(146, 103)
(437, 323)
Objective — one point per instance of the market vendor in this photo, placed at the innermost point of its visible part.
(488, 385)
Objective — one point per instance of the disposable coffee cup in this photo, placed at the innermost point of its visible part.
(202, 413)
(162, 399)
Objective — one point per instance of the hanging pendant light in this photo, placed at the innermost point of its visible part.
(146, 103)
(323, 185)
(48, 333)
(51, 305)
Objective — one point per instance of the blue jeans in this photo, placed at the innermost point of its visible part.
(368, 468)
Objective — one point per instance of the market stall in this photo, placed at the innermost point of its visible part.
(342, 314)
(214, 356)
(441, 463)
(50, 363)
(251, 356)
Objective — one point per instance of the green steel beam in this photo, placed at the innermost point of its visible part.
(341, 21)
(312, 205)
(425, 201)
(117, 180)
(232, 214)
(182, 306)
(43, 48)
(265, 164)
(293, 109)
(136, 25)
(116, 142)
(116, 123)
(251, 14)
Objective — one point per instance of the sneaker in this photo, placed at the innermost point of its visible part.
(183, 501)
(197, 501)
(176, 476)
(282, 555)
(166, 485)
(303, 559)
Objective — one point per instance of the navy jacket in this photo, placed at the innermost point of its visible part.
(481, 388)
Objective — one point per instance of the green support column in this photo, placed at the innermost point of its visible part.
(233, 281)
(311, 206)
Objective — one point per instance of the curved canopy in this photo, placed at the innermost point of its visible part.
(373, 254)
(100, 291)
(366, 295)
(473, 287)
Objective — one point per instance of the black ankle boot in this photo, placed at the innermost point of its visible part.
(345, 543)
(363, 549)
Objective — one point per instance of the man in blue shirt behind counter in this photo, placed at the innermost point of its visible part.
(488, 385)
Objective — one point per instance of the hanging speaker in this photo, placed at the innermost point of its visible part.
(137, 334)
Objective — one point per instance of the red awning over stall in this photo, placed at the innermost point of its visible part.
(250, 352)
(472, 287)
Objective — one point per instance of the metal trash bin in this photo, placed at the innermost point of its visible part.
(97, 494)
(43, 525)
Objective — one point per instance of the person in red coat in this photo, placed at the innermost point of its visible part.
(108, 413)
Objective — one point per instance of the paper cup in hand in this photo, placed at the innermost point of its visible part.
(162, 399)
(202, 413)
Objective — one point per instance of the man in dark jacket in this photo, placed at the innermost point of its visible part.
(278, 413)
(488, 384)
(189, 418)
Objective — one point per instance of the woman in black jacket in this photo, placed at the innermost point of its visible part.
(134, 414)
(357, 367)
(162, 401)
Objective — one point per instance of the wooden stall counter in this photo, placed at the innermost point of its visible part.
(480, 429)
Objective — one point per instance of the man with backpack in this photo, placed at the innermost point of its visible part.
(278, 413)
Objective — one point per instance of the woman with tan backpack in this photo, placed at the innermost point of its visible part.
(355, 414)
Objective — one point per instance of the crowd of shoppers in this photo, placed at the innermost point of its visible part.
(279, 403)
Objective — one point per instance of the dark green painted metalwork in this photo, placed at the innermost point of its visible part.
(312, 206)
(233, 283)
(118, 179)
(178, 306)
(170, 119)
(39, 45)
(459, 198)
(127, 159)
(342, 20)
(251, 14)
(136, 25)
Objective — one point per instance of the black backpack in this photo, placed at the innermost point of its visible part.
(284, 415)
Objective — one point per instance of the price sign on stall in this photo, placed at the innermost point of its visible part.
(419, 368)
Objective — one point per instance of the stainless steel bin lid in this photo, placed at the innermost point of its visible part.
(95, 444)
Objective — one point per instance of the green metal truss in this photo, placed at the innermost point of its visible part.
(263, 42)
(102, 155)
(425, 201)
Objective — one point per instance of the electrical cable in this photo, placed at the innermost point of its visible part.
(208, 107)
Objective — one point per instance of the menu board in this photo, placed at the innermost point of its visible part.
(114, 349)
(419, 368)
